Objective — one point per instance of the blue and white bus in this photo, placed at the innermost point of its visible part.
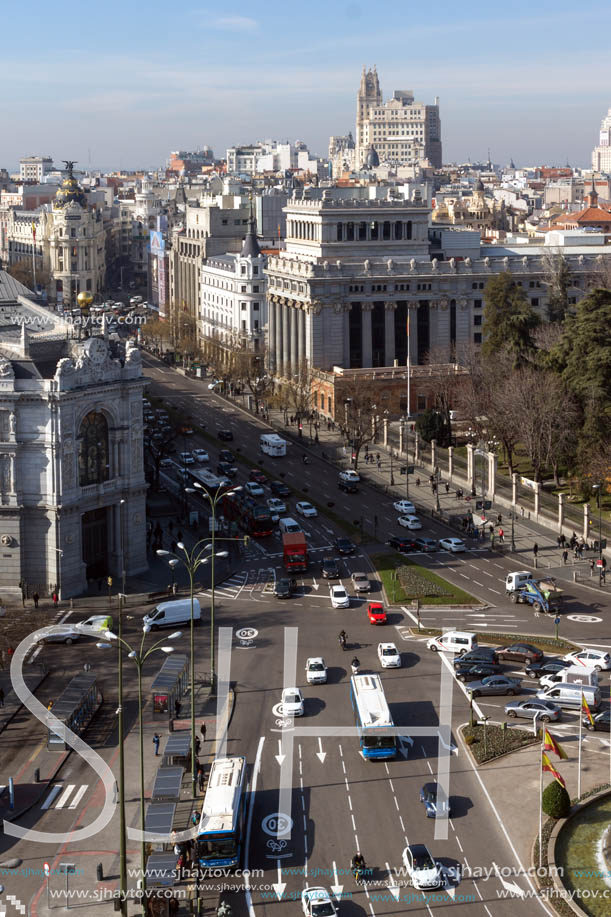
(372, 714)
(220, 837)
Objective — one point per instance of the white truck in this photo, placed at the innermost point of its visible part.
(573, 675)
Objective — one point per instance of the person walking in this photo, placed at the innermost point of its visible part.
(156, 741)
(202, 729)
(535, 550)
(447, 487)
(1, 697)
(565, 557)
(501, 536)
(198, 745)
(200, 779)
(176, 708)
(36, 598)
(591, 566)
(55, 598)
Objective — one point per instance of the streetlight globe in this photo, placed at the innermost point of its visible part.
(161, 552)
(173, 561)
(175, 635)
(109, 635)
(102, 646)
(223, 554)
(146, 628)
(167, 649)
(180, 545)
(132, 655)
(190, 490)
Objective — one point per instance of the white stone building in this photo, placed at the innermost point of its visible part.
(34, 168)
(72, 486)
(601, 155)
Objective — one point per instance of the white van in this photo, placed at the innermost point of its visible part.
(288, 526)
(570, 695)
(516, 580)
(170, 614)
(453, 641)
(272, 444)
(573, 675)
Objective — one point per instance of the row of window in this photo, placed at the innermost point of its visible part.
(372, 230)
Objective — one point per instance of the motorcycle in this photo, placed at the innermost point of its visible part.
(342, 641)
(355, 666)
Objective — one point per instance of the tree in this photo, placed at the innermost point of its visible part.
(156, 332)
(159, 449)
(509, 320)
(559, 282)
(359, 424)
(435, 425)
(248, 368)
(22, 271)
(556, 801)
(299, 389)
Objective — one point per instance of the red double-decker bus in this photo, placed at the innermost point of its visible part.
(254, 518)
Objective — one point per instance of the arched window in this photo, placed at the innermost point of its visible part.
(93, 457)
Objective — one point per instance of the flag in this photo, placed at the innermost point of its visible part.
(408, 322)
(585, 709)
(547, 765)
(34, 230)
(550, 744)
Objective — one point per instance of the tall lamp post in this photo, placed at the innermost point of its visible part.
(598, 488)
(139, 657)
(122, 838)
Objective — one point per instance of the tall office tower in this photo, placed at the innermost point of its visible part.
(601, 154)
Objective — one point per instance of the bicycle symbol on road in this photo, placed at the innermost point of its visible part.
(276, 824)
(246, 636)
(283, 724)
(276, 846)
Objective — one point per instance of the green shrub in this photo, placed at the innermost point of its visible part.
(469, 740)
(556, 801)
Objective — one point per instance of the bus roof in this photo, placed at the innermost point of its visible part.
(221, 802)
(370, 700)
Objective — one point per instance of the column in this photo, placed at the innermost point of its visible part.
(293, 327)
(389, 333)
(560, 512)
(514, 489)
(301, 353)
(492, 468)
(470, 451)
(586, 521)
(450, 462)
(278, 341)
(366, 333)
(434, 453)
(385, 430)
(285, 342)
(413, 332)
(346, 336)
(401, 437)
(271, 337)
(537, 497)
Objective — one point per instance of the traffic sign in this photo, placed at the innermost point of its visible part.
(46, 868)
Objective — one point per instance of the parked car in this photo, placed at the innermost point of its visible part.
(454, 545)
(279, 489)
(405, 507)
(376, 613)
(225, 436)
(538, 669)
(226, 455)
(316, 671)
(186, 458)
(254, 489)
(305, 509)
(545, 710)
(275, 505)
(339, 597)
(360, 582)
(344, 546)
(187, 430)
(410, 522)
(595, 659)
(495, 684)
(349, 487)
(602, 721)
(389, 656)
(476, 672)
(316, 902)
(201, 455)
(401, 544)
(258, 476)
(421, 867)
(479, 655)
(166, 462)
(436, 803)
(292, 702)
(284, 588)
(520, 652)
(426, 544)
(350, 475)
(330, 568)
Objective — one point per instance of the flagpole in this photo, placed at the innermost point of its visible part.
(34, 254)
(541, 795)
(579, 761)
(409, 366)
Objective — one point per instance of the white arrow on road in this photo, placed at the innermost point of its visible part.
(508, 886)
(280, 757)
(402, 741)
(320, 754)
(314, 583)
(335, 888)
(279, 886)
(395, 890)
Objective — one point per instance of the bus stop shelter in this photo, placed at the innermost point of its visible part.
(170, 684)
(161, 869)
(168, 782)
(177, 752)
(159, 819)
(74, 709)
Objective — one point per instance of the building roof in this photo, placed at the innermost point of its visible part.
(251, 245)
(10, 289)
(585, 217)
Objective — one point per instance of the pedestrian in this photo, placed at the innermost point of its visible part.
(535, 550)
(200, 779)
(55, 598)
(9, 653)
(522, 511)
(379, 464)
(559, 541)
(50, 705)
(202, 729)
(491, 530)
(501, 536)
(447, 487)
(23, 590)
(591, 566)
(195, 817)
(499, 519)
(417, 482)
(562, 541)
(1, 697)
(156, 741)
(36, 598)
(565, 557)
(176, 708)
(198, 745)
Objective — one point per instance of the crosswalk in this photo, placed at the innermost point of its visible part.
(66, 799)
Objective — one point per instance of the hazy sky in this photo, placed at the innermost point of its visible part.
(121, 84)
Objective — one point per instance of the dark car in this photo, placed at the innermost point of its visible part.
(344, 546)
(225, 436)
(602, 721)
(538, 669)
(226, 455)
(404, 545)
(257, 476)
(476, 672)
(426, 544)
(480, 655)
(330, 568)
(284, 588)
(349, 487)
(279, 489)
(436, 803)
(227, 469)
(520, 652)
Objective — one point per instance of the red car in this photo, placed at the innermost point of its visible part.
(376, 613)
(257, 476)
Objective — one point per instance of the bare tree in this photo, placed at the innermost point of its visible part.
(558, 281)
(299, 389)
(156, 333)
(361, 410)
(249, 369)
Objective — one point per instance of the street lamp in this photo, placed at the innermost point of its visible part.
(139, 658)
(513, 540)
(598, 488)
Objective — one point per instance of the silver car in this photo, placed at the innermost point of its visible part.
(361, 583)
(545, 710)
(495, 684)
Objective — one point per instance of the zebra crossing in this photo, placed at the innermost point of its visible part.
(66, 799)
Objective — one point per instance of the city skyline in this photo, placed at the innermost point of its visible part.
(123, 91)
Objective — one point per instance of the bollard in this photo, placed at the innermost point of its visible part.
(99, 872)
(574, 576)
(37, 775)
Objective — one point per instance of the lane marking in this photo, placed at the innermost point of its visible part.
(52, 795)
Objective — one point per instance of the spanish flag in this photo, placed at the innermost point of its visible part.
(34, 230)
(407, 327)
(547, 765)
(585, 709)
(550, 744)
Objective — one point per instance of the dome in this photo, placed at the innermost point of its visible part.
(373, 160)
(70, 191)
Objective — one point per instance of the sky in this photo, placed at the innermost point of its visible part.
(121, 84)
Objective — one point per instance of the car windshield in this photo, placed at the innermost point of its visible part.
(423, 860)
(389, 652)
(292, 698)
(322, 909)
(340, 593)
(317, 667)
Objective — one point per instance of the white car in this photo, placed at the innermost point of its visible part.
(410, 522)
(421, 867)
(95, 626)
(166, 462)
(316, 902)
(306, 509)
(596, 659)
(349, 475)
(135, 300)
(454, 545)
(186, 458)
(405, 507)
(389, 656)
(254, 489)
(276, 506)
(316, 671)
(201, 455)
(339, 597)
(292, 702)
